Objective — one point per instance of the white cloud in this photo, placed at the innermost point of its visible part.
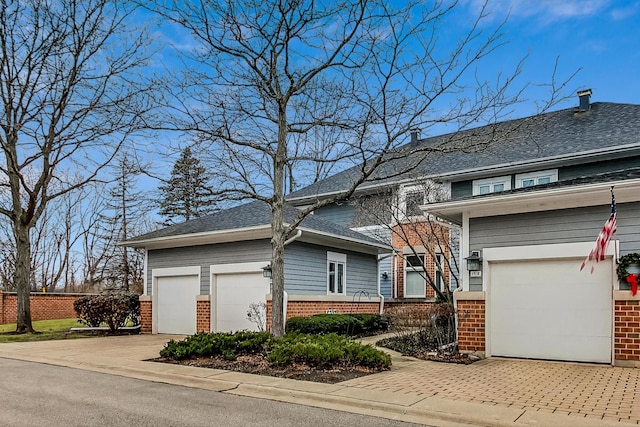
(545, 11)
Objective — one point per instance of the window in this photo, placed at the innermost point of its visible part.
(414, 276)
(524, 180)
(336, 273)
(413, 202)
(439, 269)
(491, 185)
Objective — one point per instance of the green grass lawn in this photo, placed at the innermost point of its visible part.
(48, 330)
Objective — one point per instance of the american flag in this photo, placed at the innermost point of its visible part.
(597, 253)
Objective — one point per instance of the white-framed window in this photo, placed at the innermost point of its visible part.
(530, 179)
(439, 267)
(491, 185)
(336, 273)
(411, 197)
(414, 276)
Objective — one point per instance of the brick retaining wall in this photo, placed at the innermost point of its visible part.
(43, 306)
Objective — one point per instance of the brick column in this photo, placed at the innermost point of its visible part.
(471, 321)
(1, 308)
(146, 314)
(203, 313)
(626, 329)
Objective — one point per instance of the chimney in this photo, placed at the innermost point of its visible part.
(584, 97)
(415, 136)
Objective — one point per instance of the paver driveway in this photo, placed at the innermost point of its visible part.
(512, 389)
(594, 391)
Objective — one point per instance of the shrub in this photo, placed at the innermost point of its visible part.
(341, 324)
(113, 308)
(227, 345)
(326, 351)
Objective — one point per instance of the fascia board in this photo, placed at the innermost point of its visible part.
(204, 238)
(542, 200)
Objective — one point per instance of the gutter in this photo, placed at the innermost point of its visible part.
(294, 238)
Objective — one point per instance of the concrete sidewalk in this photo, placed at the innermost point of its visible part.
(495, 392)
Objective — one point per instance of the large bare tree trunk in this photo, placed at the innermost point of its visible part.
(22, 273)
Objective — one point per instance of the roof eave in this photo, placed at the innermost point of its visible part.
(541, 200)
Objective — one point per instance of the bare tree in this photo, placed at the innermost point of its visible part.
(70, 96)
(285, 91)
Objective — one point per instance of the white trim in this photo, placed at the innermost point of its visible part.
(337, 258)
(505, 180)
(552, 174)
(415, 270)
(144, 272)
(541, 200)
(168, 272)
(464, 252)
(217, 269)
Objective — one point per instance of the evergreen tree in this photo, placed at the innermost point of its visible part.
(186, 195)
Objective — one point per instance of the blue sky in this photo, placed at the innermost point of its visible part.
(597, 37)
(600, 37)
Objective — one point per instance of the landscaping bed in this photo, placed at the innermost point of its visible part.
(320, 358)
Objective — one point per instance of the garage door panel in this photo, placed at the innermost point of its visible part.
(234, 293)
(176, 299)
(550, 310)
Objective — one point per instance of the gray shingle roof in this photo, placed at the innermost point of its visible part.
(252, 214)
(557, 134)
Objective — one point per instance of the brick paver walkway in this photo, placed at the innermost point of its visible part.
(593, 391)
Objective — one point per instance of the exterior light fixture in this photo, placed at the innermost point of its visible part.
(266, 271)
(384, 275)
(474, 261)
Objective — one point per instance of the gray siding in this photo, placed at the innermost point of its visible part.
(385, 264)
(305, 270)
(461, 189)
(594, 168)
(341, 214)
(560, 226)
(207, 255)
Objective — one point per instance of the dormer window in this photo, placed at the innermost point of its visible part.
(491, 185)
(531, 179)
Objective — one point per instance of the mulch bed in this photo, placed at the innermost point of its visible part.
(257, 364)
(458, 358)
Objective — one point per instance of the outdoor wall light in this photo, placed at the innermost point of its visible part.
(266, 271)
(384, 275)
(474, 261)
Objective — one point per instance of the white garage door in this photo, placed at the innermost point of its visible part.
(176, 299)
(234, 293)
(551, 310)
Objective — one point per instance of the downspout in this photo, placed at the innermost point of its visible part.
(286, 295)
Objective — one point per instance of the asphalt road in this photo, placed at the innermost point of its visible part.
(34, 394)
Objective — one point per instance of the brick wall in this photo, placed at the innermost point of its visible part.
(203, 316)
(309, 308)
(419, 235)
(43, 306)
(627, 330)
(471, 321)
(146, 314)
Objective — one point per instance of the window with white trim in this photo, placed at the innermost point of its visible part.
(491, 185)
(414, 276)
(336, 273)
(530, 179)
(439, 267)
(411, 197)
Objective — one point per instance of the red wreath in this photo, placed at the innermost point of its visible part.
(632, 279)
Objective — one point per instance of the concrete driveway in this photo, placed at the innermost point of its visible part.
(489, 392)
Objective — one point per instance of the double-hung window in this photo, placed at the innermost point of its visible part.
(336, 273)
(439, 269)
(414, 276)
(491, 185)
(530, 179)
